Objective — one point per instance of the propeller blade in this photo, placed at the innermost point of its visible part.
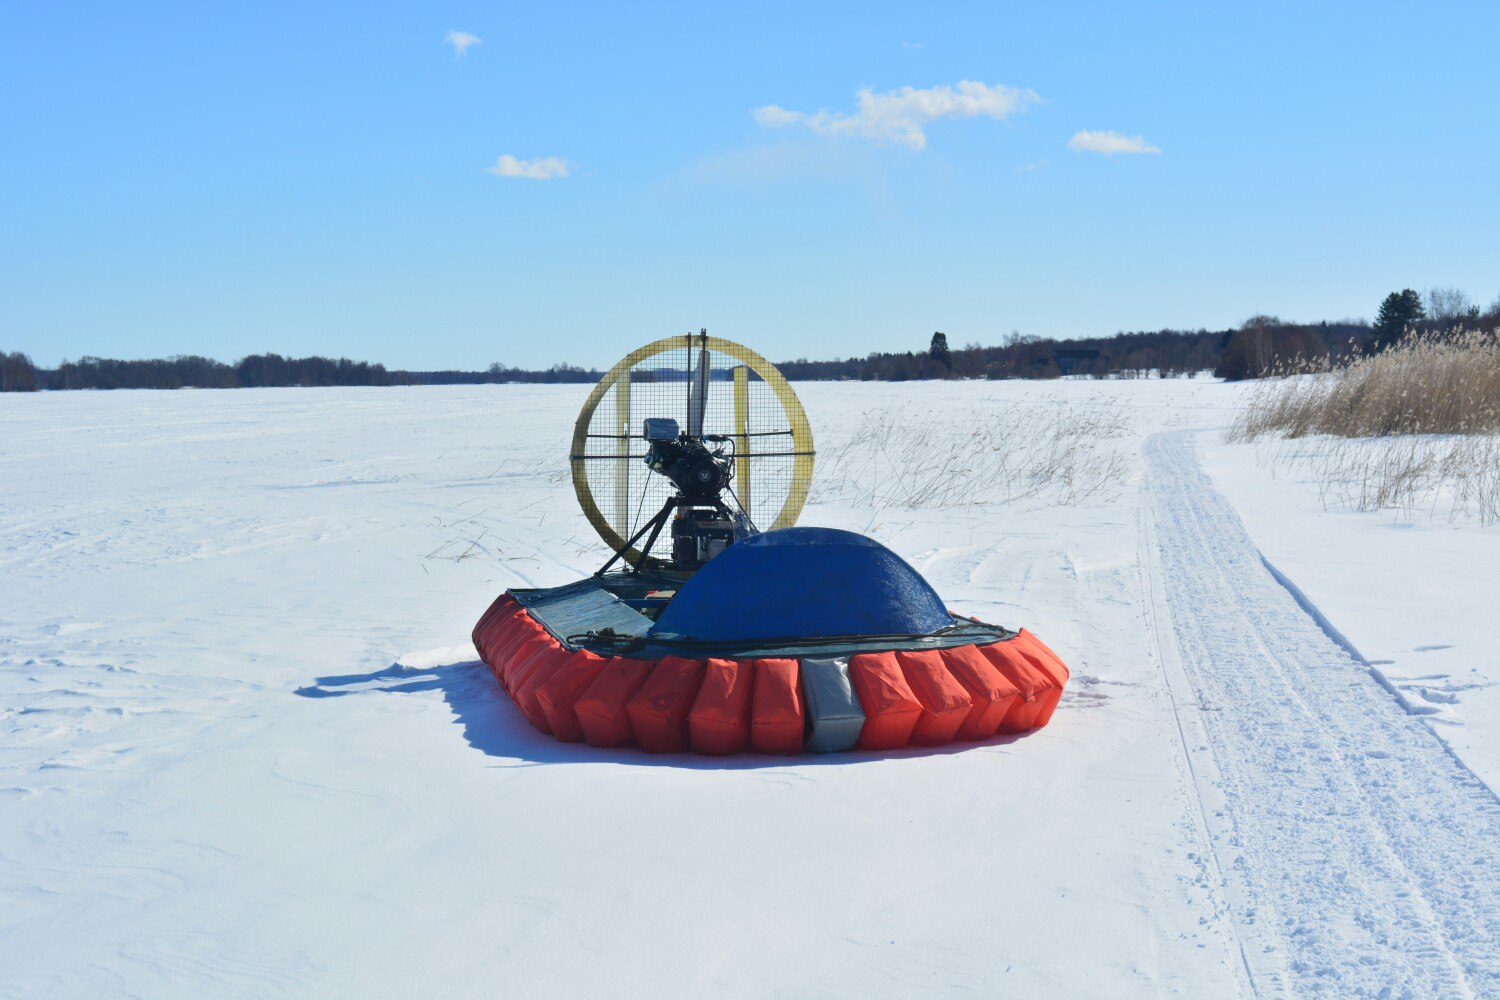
(698, 396)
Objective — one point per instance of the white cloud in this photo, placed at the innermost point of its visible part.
(1028, 168)
(1110, 143)
(542, 168)
(461, 40)
(772, 116)
(900, 115)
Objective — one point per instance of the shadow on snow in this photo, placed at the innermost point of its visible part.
(492, 724)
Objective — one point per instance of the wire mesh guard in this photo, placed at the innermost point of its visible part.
(745, 399)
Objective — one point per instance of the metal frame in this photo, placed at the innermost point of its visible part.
(802, 438)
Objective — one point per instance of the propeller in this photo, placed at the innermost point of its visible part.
(753, 403)
(698, 389)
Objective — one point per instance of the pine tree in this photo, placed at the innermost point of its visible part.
(1412, 303)
(939, 350)
(1398, 311)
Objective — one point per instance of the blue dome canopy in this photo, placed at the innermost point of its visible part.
(804, 582)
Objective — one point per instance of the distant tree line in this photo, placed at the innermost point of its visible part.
(19, 374)
(498, 373)
(1257, 347)
(191, 371)
(1264, 344)
(1164, 353)
(1260, 346)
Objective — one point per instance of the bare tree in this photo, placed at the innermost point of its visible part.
(1450, 307)
(1260, 347)
(17, 373)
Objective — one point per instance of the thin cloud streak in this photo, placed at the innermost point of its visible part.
(900, 116)
(543, 168)
(1111, 144)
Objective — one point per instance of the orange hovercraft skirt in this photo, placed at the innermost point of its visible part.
(780, 705)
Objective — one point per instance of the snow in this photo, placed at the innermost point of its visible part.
(246, 750)
(1337, 805)
(1415, 595)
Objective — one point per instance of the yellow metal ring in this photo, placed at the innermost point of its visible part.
(802, 439)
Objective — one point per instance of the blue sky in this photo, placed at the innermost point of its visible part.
(312, 178)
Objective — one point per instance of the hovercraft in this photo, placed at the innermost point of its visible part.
(780, 640)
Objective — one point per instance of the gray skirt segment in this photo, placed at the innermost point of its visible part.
(834, 718)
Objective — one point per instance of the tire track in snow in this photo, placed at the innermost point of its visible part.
(1358, 855)
(1198, 768)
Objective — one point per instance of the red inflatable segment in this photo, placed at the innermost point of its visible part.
(945, 703)
(891, 707)
(1058, 669)
(776, 720)
(516, 666)
(659, 710)
(602, 710)
(504, 607)
(515, 634)
(552, 657)
(990, 693)
(506, 625)
(494, 627)
(559, 696)
(1047, 662)
(483, 630)
(1028, 679)
(512, 632)
(719, 721)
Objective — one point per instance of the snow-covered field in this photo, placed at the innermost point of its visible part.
(245, 750)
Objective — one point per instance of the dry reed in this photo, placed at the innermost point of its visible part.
(1414, 427)
(1000, 454)
(1425, 385)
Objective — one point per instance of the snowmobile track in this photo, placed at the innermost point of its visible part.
(1358, 856)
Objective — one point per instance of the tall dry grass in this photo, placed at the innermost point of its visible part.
(1425, 385)
(1004, 453)
(1414, 427)
(1440, 475)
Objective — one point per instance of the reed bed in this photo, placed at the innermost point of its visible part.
(1428, 384)
(998, 454)
(1414, 428)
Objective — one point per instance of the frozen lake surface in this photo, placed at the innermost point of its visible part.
(247, 749)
